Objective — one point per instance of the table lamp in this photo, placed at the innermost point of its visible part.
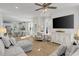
(77, 36)
(2, 30)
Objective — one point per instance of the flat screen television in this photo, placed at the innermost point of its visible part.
(64, 22)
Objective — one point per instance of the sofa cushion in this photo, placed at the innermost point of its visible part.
(1, 48)
(71, 49)
(14, 51)
(74, 49)
(76, 53)
(6, 42)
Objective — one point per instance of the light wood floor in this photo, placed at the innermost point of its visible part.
(41, 48)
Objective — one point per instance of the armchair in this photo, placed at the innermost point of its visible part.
(39, 36)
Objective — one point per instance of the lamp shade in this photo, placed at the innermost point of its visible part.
(2, 29)
(77, 35)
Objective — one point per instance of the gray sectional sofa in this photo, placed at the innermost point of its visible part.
(15, 48)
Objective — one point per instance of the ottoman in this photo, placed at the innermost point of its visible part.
(26, 45)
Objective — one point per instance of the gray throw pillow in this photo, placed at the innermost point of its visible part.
(6, 42)
(61, 50)
(12, 41)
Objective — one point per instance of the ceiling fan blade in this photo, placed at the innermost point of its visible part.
(44, 4)
(52, 7)
(38, 4)
(48, 4)
(38, 9)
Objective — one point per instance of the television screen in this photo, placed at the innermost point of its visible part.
(64, 22)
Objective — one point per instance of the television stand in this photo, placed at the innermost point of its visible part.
(60, 36)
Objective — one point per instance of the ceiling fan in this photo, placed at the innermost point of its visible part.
(44, 6)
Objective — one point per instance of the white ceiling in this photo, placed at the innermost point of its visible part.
(28, 9)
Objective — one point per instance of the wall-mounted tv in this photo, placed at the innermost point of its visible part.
(64, 22)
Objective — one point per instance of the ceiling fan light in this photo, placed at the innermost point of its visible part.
(45, 9)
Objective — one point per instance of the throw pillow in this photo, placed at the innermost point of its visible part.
(6, 42)
(12, 41)
(61, 50)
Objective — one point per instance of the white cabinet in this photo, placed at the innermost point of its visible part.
(63, 37)
(59, 37)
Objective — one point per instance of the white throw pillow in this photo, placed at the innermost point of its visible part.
(13, 41)
(1, 48)
(6, 42)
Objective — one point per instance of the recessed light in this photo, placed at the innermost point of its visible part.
(16, 7)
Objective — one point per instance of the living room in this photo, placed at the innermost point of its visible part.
(32, 26)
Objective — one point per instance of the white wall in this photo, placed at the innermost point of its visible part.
(1, 20)
(39, 21)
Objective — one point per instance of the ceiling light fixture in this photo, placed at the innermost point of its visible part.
(16, 7)
(45, 10)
